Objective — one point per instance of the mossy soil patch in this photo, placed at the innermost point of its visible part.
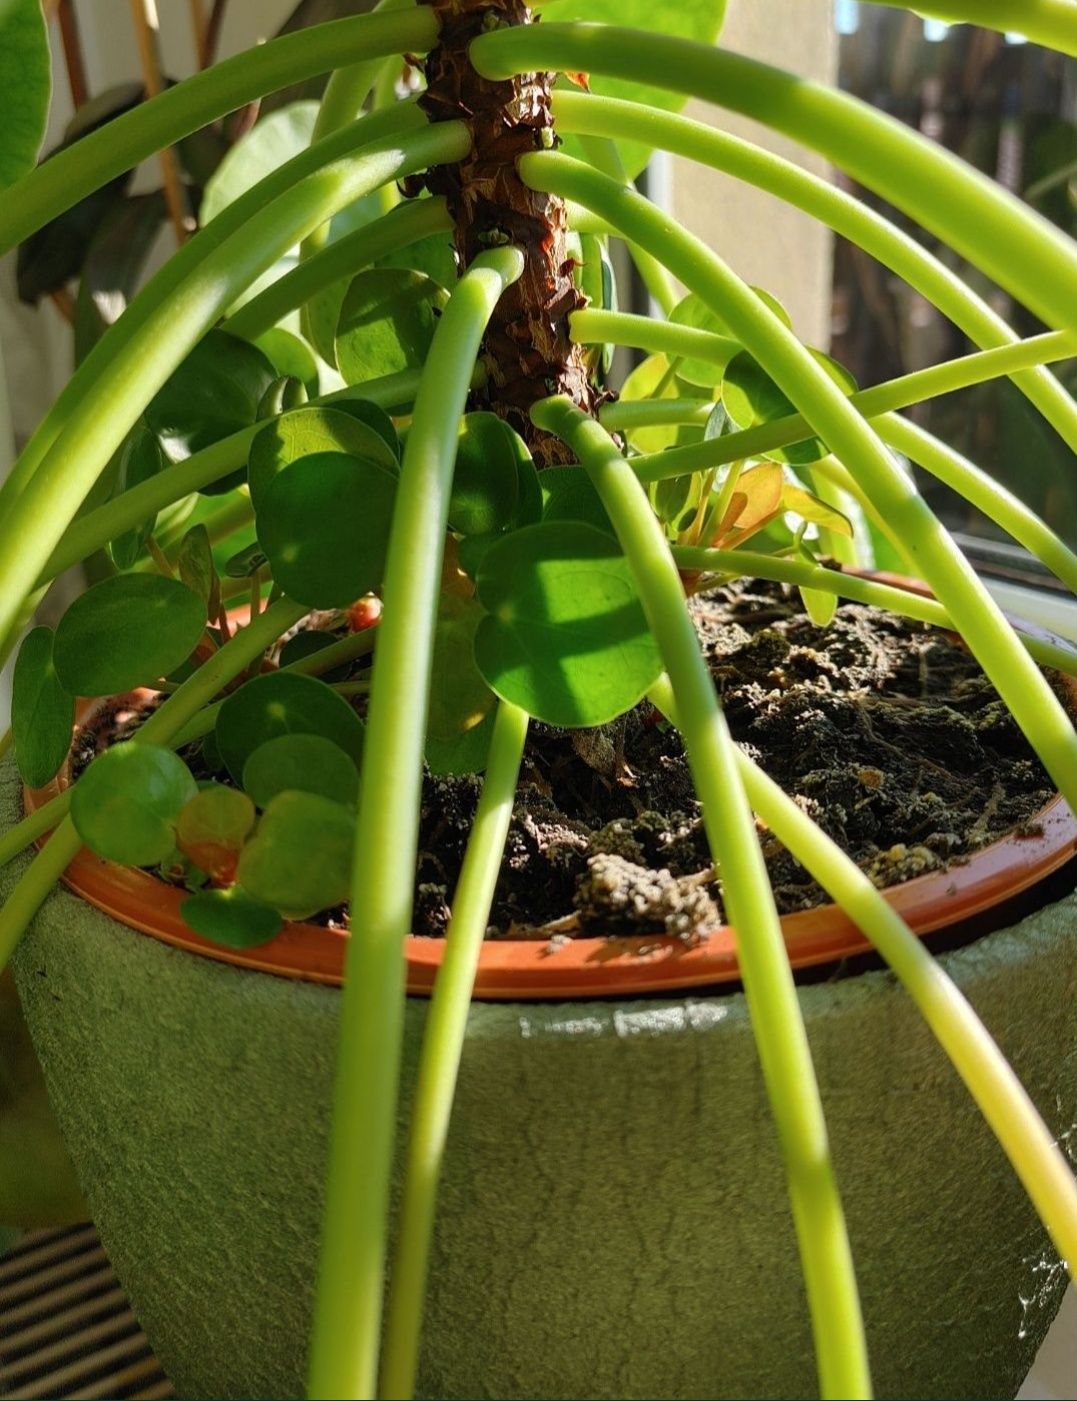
(885, 730)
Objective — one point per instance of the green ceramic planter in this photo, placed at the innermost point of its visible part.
(613, 1220)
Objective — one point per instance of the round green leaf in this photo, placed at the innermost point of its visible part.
(434, 255)
(303, 764)
(324, 525)
(306, 431)
(231, 917)
(290, 356)
(283, 703)
(464, 753)
(125, 632)
(565, 637)
(273, 140)
(568, 494)
(127, 803)
(26, 84)
(304, 644)
(42, 711)
(216, 391)
(750, 396)
(694, 312)
(386, 323)
(486, 486)
(374, 416)
(301, 857)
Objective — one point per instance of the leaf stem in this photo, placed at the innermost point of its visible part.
(347, 1322)
(768, 979)
(442, 1047)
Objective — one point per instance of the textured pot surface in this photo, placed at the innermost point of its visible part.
(613, 1219)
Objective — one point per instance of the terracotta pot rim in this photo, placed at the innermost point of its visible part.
(537, 969)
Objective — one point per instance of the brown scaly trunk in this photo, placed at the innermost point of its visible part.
(527, 352)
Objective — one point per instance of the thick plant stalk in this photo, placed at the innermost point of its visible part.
(976, 615)
(1034, 261)
(443, 1044)
(99, 422)
(344, 1349)
(400, 228)
(177, 711)
(1050, 22)
(68, 176)
(171, 279)
(736, 563)
(768, 979)
(842, 212)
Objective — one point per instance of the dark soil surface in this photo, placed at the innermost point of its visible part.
(884, 730)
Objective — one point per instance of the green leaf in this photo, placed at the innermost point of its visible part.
(245, 563)
(196, 568)
(434, 255)
(42, 711)
(305, 644)
(25, 82)
(127, 631)
(486, 482)
(750, 396)
(140, 457)
(374, 416)
(324, 525)
(271, 142)
(212, 828)
(464, 753)
(302, 764)
(308, 431)
(694, 312)
(565, 637)
(283, 703)
(386, 323)
(291, 356)
(282, 396)
(819, 604)
(811, 508)
(568, 494)
(301, 857)
(126, 805)
(216, 391)
(653, 378)
(459, 697)
(687, 19)
(231, 917)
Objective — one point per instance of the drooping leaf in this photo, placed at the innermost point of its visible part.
(113, 265)
(231, 917)
(301, 856)
(813, 509)
(127, 631)
(42, 711)
(140, 457)
(565, 637)
(700, 20)
(819, 604)
(306, 432)
(324, 525)
(750, 396)
(25, 82)
(459, 696)
(386, 323)
(283, 703)
(212, 828)
(215, 391)
(302, 764)
(272, 141)
(54, 254)
(126, 805)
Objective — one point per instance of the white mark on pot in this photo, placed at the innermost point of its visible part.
(570, 1027)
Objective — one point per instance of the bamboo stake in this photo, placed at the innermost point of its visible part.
(147, 32)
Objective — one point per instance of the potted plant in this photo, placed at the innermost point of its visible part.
(470, 507)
